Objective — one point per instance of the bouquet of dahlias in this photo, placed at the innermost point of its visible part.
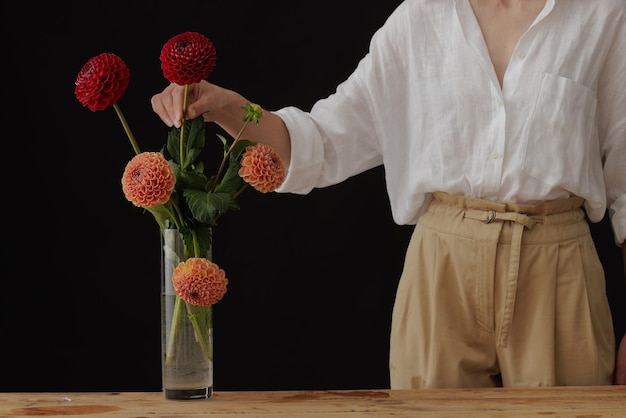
(176, 190)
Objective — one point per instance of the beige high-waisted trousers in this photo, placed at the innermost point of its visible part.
(501, 294)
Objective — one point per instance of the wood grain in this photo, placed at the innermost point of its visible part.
(580, 402)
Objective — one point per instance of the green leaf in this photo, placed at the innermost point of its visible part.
(173, 144)
(221, 202)
(192, 180)
(240, 147)
(196, 136)
(225, 143)
(231, 181)
(197, 240)
(194, 142)
(197, 202)
(187, 236)
(161, 215)
(204, 237)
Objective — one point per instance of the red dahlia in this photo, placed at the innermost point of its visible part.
(102, 81)
(187, 58)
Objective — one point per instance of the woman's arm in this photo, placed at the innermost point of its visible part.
(224, 107)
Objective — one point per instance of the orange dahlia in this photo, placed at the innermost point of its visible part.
(187, 58)
(198, 281)
(102, 81)
(148, 180)
(262, 168)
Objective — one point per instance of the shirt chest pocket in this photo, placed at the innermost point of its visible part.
(561, 135)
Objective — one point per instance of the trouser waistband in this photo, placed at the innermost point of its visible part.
(550, 207)
(522, 217)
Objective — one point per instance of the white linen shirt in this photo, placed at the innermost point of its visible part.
(425, 102)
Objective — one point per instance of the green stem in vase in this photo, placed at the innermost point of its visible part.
(199, 316)
(177, 321)
(201, 319)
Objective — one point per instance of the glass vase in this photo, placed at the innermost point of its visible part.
(186, 332)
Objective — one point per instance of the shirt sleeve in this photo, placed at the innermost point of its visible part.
(307, 156)
(340, 137)
(612, 127)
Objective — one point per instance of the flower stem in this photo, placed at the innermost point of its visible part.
(196, 244)
(181, 217)
(177, 322)
(244, 187)
(182, 127)
(201, 318)
(129, 133)
(227, 156)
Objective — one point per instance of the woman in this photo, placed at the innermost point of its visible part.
(500, 123)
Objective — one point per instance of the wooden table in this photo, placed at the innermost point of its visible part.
(600, 401)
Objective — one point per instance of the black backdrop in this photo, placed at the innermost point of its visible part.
(312, 278)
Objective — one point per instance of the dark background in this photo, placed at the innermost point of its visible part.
(311, 278)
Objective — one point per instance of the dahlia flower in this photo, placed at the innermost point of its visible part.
(172, 185)
(187, 58)
(262, 168)
(148, 180)
(102, 81)
(199, 281)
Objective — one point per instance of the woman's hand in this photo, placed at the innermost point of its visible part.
(203, 99)
(225, 108)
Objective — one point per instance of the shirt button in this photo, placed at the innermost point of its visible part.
(521, 54)
(494, 155)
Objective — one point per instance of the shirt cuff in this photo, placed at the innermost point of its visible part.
(307, 151)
